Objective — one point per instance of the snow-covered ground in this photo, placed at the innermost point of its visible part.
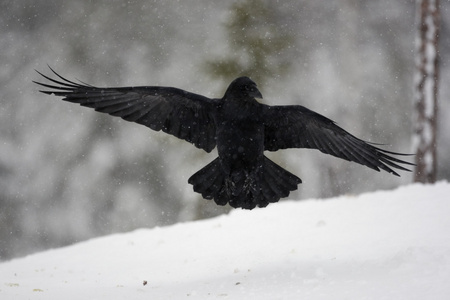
(382, 245)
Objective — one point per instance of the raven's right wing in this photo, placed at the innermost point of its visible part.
(185, 115)
(295, 126)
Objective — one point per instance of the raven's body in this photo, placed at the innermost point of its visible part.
(240, 137)
(242, 176)
(240, 127)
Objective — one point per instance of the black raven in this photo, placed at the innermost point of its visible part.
(240, 127)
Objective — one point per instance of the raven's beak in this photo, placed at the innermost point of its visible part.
(255, 93)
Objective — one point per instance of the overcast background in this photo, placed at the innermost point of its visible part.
(68, 173)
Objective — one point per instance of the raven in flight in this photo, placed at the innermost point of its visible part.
(240, 127)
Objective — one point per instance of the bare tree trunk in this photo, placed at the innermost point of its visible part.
(426, 90)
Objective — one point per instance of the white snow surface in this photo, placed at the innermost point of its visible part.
(381, 245)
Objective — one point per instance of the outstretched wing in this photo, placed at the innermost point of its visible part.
(185, 115)
(299, 127)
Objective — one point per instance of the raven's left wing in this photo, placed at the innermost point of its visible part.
(298, 127)
(185, 115)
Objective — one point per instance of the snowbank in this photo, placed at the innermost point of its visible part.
(382, 245)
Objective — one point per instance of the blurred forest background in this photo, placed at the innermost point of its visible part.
(68, 173)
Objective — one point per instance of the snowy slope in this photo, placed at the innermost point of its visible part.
(382, 245)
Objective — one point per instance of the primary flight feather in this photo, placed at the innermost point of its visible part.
(240, 127)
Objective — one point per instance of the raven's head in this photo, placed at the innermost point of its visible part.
(243, 87)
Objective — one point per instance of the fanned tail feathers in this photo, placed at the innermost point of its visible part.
(242, 188)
